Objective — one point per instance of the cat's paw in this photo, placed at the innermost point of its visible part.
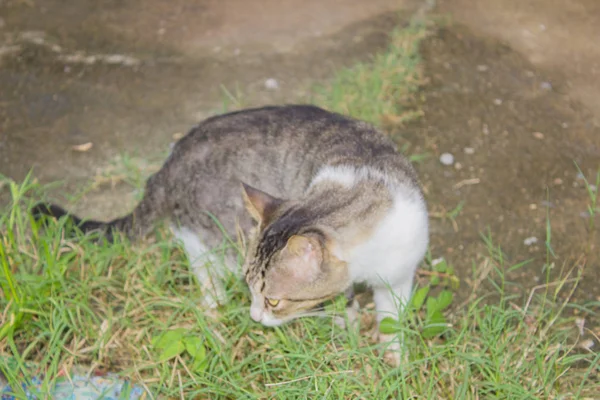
(392, 353)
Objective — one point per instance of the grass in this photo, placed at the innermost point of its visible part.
(71, 303)
(381, 90)
(75, 302)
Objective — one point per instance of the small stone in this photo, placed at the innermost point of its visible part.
(458, 166)
(497, 102)
(83, 147)
(533, 206)
(546, 86)
(469, 150)
(558, 181)
(272, 84)
(237, 52)
(447, 159)
(482, 68)
(593, 188)
(542, 27)
(530, 240)
(564, 125)
(485, 129)
(580, 176)
(437, 261)
(538, 135)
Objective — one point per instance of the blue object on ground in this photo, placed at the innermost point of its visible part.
(80, 387)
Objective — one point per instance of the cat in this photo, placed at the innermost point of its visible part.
(329, 202)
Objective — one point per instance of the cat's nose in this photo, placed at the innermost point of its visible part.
(256, 314)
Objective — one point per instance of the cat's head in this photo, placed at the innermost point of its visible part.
(289, 266)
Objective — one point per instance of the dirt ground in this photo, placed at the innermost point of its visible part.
(514, 144)
(512, 95)
(128, 76)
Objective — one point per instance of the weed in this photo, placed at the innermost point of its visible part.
(375, 91)
(592, 191)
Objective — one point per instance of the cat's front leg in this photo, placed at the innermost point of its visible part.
(389, 302)
(206, 267)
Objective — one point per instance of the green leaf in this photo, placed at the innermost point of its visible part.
(432, 306)
(199, 365)
(419, 297)
(166, 338)
(194, 346)
(435, 280)
(435, 325)
(389, 326)
(171, 350)
(442, 266)
(444, 299)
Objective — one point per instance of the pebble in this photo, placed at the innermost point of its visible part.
(530, 240)
(558, 181)
(458, 165)
(497, 102)
(482, 68)
(447, 159)
(580, 176)
(437, 261)
(485, 129)
(272, 84)
(533, 206)
(538, 135)
(546, 86)
(593, 188)
(469, 150)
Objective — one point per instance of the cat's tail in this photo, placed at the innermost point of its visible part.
(134, 225)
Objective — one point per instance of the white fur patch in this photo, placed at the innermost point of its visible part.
(204, 264)
(396, 246)
(348, 176)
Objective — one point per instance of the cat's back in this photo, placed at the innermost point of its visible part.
(283, 147)
(304, 130)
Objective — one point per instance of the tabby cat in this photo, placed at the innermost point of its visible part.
(329, 202)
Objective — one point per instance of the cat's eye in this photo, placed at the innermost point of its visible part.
(272, 302)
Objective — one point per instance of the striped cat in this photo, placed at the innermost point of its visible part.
(329, 202)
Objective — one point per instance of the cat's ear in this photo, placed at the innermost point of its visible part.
(305, 258)
(259, 204)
